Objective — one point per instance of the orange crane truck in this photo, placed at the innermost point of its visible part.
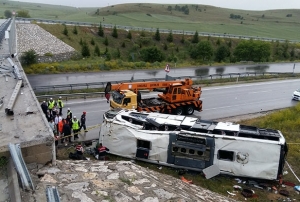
(178, 97)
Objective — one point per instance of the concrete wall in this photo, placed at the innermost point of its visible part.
(40, 154)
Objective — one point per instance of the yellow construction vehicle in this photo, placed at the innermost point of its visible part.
(178, 97)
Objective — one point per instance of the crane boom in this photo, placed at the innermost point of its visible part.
(149, 85)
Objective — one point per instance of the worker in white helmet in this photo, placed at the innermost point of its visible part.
(51, 105)
(60, 105)
(75, 127)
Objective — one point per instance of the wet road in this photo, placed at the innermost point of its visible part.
(218, 102)
(72, 78)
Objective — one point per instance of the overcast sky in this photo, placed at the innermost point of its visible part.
(234, 4)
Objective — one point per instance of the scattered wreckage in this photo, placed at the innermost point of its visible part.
(195, 144)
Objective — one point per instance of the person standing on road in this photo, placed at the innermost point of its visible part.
(69, 113)
(51, 104)
(82, 122)
(67, 132)
(44, 107)
(60, 105)
(60, 128)
(75, 127)
(56, 121)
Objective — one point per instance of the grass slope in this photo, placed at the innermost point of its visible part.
(270, 23)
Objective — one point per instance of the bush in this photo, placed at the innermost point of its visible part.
(29, 57)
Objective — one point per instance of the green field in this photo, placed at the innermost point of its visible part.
(270, 23)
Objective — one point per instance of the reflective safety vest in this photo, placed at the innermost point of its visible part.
(51, 104)
(60, 103)
(75, 124)
(69, 114)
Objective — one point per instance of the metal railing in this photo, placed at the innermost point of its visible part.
(100, 85)
(52, 194)
(224, 35)
(3, 28)
(16, 154)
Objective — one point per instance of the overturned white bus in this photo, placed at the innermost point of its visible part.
(195, 144)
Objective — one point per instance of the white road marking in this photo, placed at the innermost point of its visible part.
(260, 91)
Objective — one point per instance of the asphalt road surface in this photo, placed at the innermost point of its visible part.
(218, 102)
(73, 78)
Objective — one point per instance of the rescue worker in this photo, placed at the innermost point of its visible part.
(69, 120)
(79, 151)
(60, 128)
(82, 122)
(56, 121)
(101, 152)
(67, 132)
(60, 105)
(69, 113)
(44, 107)
(51, 104)
(75, 127)
(49, 116)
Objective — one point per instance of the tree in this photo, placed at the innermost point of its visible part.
(165, 46)
(23, 14)
(75, 30)
(65, 32)
(115, 32)
(81, 42)
(157, 35)
(118, 54)
(129, 36)
(152, 54)
(100, 31)
(203, 50)
(222, 53)
(92, 41)
(85, 51)
(29, 57)
(105, 41)
(143, 34)
(182, 39)
(249, 50)
(195, 38)
(7, 13)
(97, 51)
(170, 37)
(123, 44)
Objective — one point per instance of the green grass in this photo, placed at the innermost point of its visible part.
(274, 24)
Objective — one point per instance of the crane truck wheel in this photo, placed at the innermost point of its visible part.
(189, 110)
(179, 111)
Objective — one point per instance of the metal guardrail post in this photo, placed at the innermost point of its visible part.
(16, 154)
(52, 194)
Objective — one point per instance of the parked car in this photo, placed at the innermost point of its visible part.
(296, 95)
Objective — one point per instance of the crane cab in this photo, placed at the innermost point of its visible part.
(177, 92)
(125, 99)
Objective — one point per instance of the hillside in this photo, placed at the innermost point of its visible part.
(203, 18)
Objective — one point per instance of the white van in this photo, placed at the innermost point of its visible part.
(296, 95)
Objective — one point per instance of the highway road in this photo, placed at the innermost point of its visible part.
(72, 78)
(218, 102)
